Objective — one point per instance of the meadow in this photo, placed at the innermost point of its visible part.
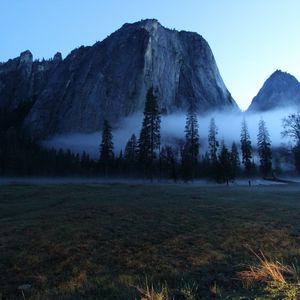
(126, 241)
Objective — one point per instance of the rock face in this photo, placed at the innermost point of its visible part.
(22, 81)
(280, 90)
(110, 80)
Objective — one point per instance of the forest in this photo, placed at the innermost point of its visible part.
(147, 157)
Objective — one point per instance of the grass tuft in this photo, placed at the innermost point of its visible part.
(267, 270)
(150, 293)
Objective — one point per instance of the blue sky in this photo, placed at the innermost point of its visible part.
(249, 39)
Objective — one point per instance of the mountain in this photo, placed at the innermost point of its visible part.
(22, 81)
(281, 89)
(110, 80)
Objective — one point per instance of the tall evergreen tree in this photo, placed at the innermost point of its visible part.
(264, 149)
(192, 134)
(190, 151)
(169, 163)
(213, 146)
(235, 159)
(224, 170)
(213, 143)
(130, 154)
(149, 140)
(246, 148)
(106, 147)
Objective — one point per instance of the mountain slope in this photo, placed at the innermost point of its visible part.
(110, 80)
(280, 90)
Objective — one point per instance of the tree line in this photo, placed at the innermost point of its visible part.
(145, 156)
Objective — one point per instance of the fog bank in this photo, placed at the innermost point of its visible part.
(172, 129)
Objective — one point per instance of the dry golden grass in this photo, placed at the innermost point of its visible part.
(267, 270)
(150, 293)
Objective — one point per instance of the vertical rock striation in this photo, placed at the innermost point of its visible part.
(110, 80)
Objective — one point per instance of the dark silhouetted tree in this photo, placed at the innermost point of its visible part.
(235, 160)
(130, 154)
(246, 148)
(224, 165)
(213, 146)
(149, 140)
(291, 128)
(190, 151)
(264, 149)
(213, 143)
(106, 148)
(169, 164)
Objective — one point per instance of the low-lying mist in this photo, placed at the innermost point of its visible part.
(172, 129)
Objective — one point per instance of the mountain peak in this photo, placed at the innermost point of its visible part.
(26, 57)
(280, 89)
(148, 24)
(57, 57)
(281, 75)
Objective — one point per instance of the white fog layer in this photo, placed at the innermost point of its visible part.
(172, 128)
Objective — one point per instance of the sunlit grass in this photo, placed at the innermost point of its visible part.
(281, 281)
(265, 271)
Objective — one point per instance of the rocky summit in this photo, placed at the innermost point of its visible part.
(110, 80)
(281, 89)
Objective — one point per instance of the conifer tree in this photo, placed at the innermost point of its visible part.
(192, 134)
(264, 149)
(213, 143)
(106, 147)
(213, 146)
(235, 159)
(246, 148)
(190, 151)
(224, 173)
(149, 140)
(169, 163)
(130, 154)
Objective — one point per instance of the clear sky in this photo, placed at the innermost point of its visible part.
(249, 39)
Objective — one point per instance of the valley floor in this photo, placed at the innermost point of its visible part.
(105, 241)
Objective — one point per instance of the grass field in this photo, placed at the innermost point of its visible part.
(107, 241)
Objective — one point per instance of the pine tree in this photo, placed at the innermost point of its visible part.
(264, 149)
(213, 144)
(192, 134)
(235, 159)
(246, 148)
(106, 147)
(149, 140)
(224, 169)
(169, 163)
(130, 154)
(190, 151)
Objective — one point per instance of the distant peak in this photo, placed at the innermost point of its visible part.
(281, 75)
(151, 22)
(26, 57)
(148, 24)
(57, 57)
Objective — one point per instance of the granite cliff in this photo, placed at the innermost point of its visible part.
(110, 80)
